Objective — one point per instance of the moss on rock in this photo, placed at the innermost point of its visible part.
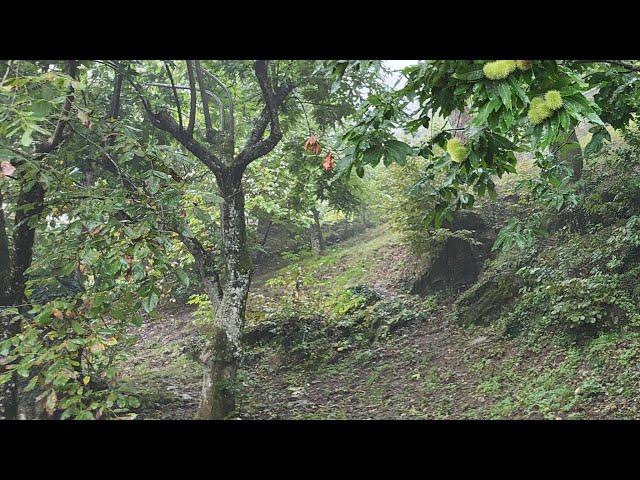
(486, 300)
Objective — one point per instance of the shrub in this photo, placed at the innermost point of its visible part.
(577, 308)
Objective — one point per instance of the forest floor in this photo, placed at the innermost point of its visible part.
(428, 368)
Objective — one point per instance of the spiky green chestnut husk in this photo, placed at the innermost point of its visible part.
(539, 111)
(499, 69)
(523, 64)
(553, 99)
(457, 150)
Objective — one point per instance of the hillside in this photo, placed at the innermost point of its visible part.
(350, 342)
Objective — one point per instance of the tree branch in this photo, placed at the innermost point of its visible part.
(114, 110)
(205, 105)
(56, 138)
(205, 267)
(622, 63)
(164, 121)
(256, 146)
(175, 94)
(193, 98)
(227, 122)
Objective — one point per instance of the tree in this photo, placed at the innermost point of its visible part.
(515, 105)
(116, 206)
(15, 261)
(222, 353)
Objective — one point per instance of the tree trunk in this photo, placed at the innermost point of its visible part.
(263, 229)
(317, 240)
(570, 154)
(30, 205)
(363, 216)
(459, 121)
(223, 350)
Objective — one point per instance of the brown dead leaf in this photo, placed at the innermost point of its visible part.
(312, 145)
(329, 162)
(6, 169)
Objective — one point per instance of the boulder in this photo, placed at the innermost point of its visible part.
(456, 264)
(458, 261)
(260, 333)
(487, 299)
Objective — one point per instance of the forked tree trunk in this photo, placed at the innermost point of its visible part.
(222, 353)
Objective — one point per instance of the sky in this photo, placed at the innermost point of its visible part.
(396, 66)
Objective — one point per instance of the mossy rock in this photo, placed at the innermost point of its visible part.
(456, 264)
(367, 295)
(485, 301)
(260, 333)
(460, 258)
(467, 220)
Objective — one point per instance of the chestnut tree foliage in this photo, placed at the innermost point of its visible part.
(516, 106)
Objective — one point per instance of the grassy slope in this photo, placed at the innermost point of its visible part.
(429, 368)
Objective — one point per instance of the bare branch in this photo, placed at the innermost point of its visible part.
(164, 121)
(228, 125)
(193, 97)
(205, 105)
(56, 138)
(256, 146)
(175, 94)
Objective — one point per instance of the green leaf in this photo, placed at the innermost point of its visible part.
(372, 155)
(131, 233)
(150, 302)
(32, 384)
(44, 316)
(212, 198)
(84, 416)
(154, 184)
(77, 327)
(26, 139)
(505, 94)
(597, 141)
(182, 277)
(564, 120)
(518, 90)
(396, 151)
(483, 114)
(553, 129)
(201, 215)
